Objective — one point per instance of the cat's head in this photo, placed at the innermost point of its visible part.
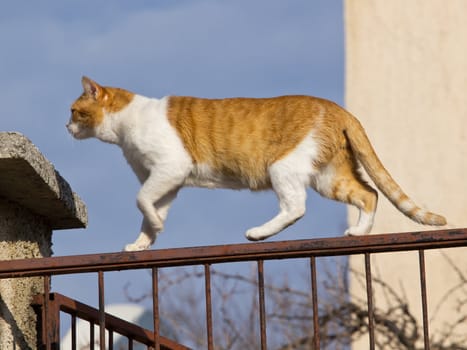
(93, 106)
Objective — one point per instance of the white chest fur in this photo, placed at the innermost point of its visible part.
(148, 141)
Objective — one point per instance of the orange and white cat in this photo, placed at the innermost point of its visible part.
(285, 143)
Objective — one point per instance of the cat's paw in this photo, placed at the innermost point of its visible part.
(255, 234)
(355, 231)
(134, 247)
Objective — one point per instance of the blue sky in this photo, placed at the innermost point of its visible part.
(204, 48)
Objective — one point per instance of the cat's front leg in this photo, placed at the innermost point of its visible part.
(154, 200)
(144, 240)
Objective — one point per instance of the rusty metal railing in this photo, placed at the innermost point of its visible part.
(259, 252)
(59, 303)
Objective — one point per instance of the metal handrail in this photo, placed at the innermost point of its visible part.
(231, 253)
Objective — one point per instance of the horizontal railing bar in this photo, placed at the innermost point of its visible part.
(236, 252)
(117, 325)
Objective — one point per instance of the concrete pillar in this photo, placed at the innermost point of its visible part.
(34, 200)
(406, 80)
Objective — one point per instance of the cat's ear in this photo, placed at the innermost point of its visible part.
(90, 87)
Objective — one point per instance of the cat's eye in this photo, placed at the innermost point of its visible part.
(78, 115)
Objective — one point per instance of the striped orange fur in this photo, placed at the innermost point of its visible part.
(243, 137)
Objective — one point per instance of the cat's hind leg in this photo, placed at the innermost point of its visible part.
(348, 187)
(291, 192)
(365, 199)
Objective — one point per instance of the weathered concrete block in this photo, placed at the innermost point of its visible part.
(28, 178)
(34, 200)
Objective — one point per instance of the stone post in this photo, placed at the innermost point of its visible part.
(34, 200)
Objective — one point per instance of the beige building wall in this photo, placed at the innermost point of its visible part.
(406, 80)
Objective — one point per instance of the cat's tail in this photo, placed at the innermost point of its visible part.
(365, 153)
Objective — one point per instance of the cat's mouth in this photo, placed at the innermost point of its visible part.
(75, 131)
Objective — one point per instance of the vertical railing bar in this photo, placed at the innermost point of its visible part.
(73, 332)
(314, 299)
(55, 324)
(91, 336)
(111, 339)
(130, 344)
(155, 306)
(262, 307)
(207, 289)
(369, 293)
(426, 334)
(46, 312)
(101, 310)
